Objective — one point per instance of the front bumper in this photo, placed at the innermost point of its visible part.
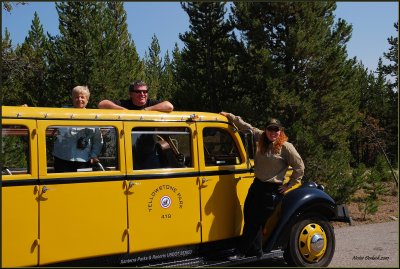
(342, 214)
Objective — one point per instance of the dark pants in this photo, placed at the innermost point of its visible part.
(258, 207)
(61, 165)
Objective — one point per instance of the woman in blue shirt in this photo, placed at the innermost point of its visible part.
(77, 147)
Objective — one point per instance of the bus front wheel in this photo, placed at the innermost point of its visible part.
(311, 243)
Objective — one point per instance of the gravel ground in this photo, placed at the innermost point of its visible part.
(369, 245)
(363, 246)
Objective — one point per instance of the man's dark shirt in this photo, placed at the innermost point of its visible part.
(129, 105)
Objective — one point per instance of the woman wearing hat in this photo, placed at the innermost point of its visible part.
(273, 157)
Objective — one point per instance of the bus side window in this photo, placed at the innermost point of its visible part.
(108, 156)
(77, 143)
(15, 150)
(144, 150)
(167, 147)
(219, 148)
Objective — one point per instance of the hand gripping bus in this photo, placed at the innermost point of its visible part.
(168, 190)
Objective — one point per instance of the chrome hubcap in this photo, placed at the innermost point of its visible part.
(317, 243)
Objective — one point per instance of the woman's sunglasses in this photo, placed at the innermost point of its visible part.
(273, 129)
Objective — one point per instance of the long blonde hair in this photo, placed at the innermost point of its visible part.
(264, 142)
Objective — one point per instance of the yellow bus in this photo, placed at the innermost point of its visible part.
(183, 209)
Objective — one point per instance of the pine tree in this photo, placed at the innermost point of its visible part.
(167, 82)
(73, 53)
(392, 72)
(306, 79)
(392, 55)
(12, 70)
(205, 75)
(175, 67)
(8, 5)
(379, 121)
(94, 48)
(357, 137)
(153, 67)
(120, 64)
(254, 67)
(34, 51)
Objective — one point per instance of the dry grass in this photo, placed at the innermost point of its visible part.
(388, 208)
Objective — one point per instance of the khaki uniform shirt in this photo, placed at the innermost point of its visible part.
(269, 167)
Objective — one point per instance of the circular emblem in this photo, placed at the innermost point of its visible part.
(165, 202)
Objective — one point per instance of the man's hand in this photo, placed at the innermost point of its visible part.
(224, 113)
(93, 160)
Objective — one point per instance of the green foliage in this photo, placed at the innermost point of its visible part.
(373, 187)
(153, 67)
(34, 52)
(293, 65)
(281, 59)
(16, 70)
(11, 149)
(94, 49)
(379, 108)
(341, 181)
(167, 81)
(392, 69)
(204, 70)
(382, 169)
(8, 5)
(117, 62)
(11, 68)
(161, 74)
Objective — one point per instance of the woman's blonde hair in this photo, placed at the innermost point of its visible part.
(264, 142)
(81, 89)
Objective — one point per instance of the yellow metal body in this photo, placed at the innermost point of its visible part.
(54, 217)
(223, 195)
(152, 225)
(19, 223)
(19, 211)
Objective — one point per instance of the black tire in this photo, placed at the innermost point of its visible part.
(301, 252)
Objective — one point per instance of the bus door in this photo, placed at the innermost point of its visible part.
(19, 193)
(82, 213)
(162, 187)
(225, 179)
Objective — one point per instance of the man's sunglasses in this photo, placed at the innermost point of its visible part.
(273, 129)
(139, 91)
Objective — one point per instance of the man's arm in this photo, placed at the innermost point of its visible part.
(164, 106)
(109, 105)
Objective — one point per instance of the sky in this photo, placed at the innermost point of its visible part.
(372, 25)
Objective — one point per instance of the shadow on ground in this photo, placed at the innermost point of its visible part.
(273, 262)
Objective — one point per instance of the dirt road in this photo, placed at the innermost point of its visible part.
(369, 245)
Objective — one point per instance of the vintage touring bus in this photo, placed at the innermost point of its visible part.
(186, 208)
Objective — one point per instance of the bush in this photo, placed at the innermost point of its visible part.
(373, 187)
(340, 180)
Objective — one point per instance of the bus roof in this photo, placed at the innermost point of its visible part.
(22, 112)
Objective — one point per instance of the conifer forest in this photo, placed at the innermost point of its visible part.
(264, 59)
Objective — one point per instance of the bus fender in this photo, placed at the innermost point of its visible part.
(307, 199)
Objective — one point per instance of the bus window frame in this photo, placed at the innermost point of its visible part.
(33, 150)
(43, 125)
(129, 126)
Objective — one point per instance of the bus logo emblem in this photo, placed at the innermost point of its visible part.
(165, 202)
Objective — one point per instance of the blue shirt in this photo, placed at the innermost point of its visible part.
(66, 144)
